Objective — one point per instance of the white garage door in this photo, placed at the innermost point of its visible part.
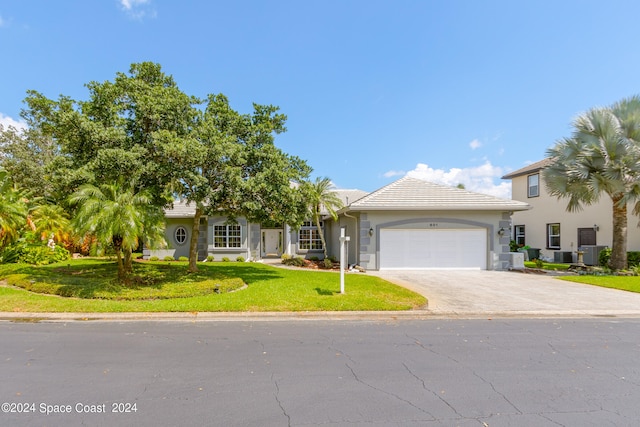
(433, 249)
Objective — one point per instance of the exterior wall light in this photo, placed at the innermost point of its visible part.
(371, 232)
(596, 227)
(501, 231)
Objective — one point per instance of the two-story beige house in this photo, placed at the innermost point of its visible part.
(558, 233)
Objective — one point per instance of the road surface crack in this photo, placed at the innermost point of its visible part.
(358, 379)
(277, 397)
(424, 386)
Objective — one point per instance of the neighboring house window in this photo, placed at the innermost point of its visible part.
(533, 185)
(519, 235)
(308, 237)
(553, 236)
(180, 235)
(226, 236)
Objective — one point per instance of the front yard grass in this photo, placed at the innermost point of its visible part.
(548, 266)
(89, 285)
(625, 283)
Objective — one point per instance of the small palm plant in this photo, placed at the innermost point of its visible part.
(116, 214)
(13, 210)
(321, 198)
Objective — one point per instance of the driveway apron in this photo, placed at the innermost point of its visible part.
(476, 292)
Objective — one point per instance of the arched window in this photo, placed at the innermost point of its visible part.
(180, 235)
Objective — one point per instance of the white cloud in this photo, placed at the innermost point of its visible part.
(129, 4)
(479, 179)
(475, 144)
(392, 173)
(7, 121)
(2, 22)
(138, 9)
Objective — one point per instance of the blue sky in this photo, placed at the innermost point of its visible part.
(449, 91)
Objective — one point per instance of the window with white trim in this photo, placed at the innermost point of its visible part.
(553, 236)
(533, 185)
(308, 236)
(519, 235)
(180, 235)
(226, 236)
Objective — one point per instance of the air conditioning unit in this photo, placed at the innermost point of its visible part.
(591, 254)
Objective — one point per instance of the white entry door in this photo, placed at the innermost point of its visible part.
(433, 249)
(271, 243)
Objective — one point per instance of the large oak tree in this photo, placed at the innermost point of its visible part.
(141, 126)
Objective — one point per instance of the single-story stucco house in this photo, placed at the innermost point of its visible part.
(408, 224)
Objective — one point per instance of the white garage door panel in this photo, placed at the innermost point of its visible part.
(433, 249)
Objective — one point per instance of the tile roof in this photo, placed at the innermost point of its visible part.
(533, 167)
(350, 196)
(415, 194)
(181, 209)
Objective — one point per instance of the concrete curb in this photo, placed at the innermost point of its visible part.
(375, 316)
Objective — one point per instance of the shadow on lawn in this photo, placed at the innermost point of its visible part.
(248, 272)
(325, 292)
(90, 278)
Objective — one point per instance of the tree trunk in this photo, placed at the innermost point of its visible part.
(127, 264)
(618, 259)
(117, 248)
(193, 244)
(324, 244)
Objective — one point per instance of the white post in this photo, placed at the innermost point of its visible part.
(343, 241)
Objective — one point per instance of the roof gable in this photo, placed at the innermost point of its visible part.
(533, 167)
(415, 194)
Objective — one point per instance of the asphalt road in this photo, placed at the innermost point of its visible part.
(502, 372)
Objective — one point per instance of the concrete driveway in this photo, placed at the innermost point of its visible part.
(500, 293)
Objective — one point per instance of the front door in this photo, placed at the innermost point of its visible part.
(586, 237)
(271, 243)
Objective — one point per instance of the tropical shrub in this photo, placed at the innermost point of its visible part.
(30, 249)
(169, 258)
(633, 258)
(154, 258)
(240, 259)
(295, 261)
(225, 259)
(604, 257)
(328, 263)
(183, 258)
(210, 258)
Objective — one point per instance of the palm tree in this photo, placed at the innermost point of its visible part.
(602, 156)
(118, 215)
(13, 210)
(50, 221)
(319, 195)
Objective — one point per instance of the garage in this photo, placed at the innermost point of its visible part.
(433, 249)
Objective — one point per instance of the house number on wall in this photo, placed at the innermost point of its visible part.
(433, 224)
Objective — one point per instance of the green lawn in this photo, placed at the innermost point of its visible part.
(625, 283)
(547, 266)
(88, 285)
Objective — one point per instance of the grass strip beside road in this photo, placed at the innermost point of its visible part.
(89, 285)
